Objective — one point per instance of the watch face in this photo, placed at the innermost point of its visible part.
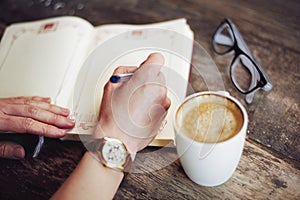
(114, 154)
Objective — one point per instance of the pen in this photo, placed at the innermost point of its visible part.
(120, 78)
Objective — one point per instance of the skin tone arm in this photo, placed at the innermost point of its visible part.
(34, 115)
(144, 101)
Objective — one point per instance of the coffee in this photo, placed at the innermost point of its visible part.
(210, 131)
(209, 118)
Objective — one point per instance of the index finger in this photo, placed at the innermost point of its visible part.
(19, 124)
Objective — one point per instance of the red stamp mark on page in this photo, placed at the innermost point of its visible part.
(48, 27)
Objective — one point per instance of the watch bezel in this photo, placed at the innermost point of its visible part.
(98, 147)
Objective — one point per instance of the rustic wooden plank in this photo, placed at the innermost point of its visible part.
(259, 175)
(269, 168)
(38, 178)
(2, 28)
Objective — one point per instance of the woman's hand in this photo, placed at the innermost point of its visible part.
(133, 111)
(34, 115)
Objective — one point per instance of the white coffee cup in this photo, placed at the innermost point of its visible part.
(210, 162)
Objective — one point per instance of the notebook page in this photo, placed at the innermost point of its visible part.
(43, 58)
(178, 65)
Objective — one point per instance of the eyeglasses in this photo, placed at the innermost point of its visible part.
(246, 73)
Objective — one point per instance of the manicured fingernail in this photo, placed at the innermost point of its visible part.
(19, 152)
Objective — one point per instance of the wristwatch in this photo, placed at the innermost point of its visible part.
(112, 153)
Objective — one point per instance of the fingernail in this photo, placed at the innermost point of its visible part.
(65, 111)
(61, 132)
(70, 122)
(19, 152)
(47, 99)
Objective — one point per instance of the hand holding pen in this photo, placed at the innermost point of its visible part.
(135, 101)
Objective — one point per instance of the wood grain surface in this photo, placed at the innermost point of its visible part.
(270, 164)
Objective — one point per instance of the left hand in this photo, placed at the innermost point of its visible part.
(34, 115)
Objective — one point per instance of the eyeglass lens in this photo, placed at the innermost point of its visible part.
(223, 39)
(243, 74)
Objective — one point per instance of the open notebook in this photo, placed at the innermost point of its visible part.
(69, 60)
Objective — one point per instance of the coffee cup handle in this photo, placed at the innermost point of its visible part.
(224, 93)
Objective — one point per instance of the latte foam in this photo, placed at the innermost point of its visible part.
(209, 118)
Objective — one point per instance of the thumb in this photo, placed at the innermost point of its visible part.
(11, 150)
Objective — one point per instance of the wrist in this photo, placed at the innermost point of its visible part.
(90, 158)
(96, 181)
(111, 153)
(113, 131)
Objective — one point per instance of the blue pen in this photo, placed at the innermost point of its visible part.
(120, 78)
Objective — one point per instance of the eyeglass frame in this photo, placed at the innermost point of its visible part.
(263, 82)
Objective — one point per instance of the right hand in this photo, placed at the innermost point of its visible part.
(34, 115)
(133, 111)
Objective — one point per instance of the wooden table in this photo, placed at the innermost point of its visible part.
(269, 167)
